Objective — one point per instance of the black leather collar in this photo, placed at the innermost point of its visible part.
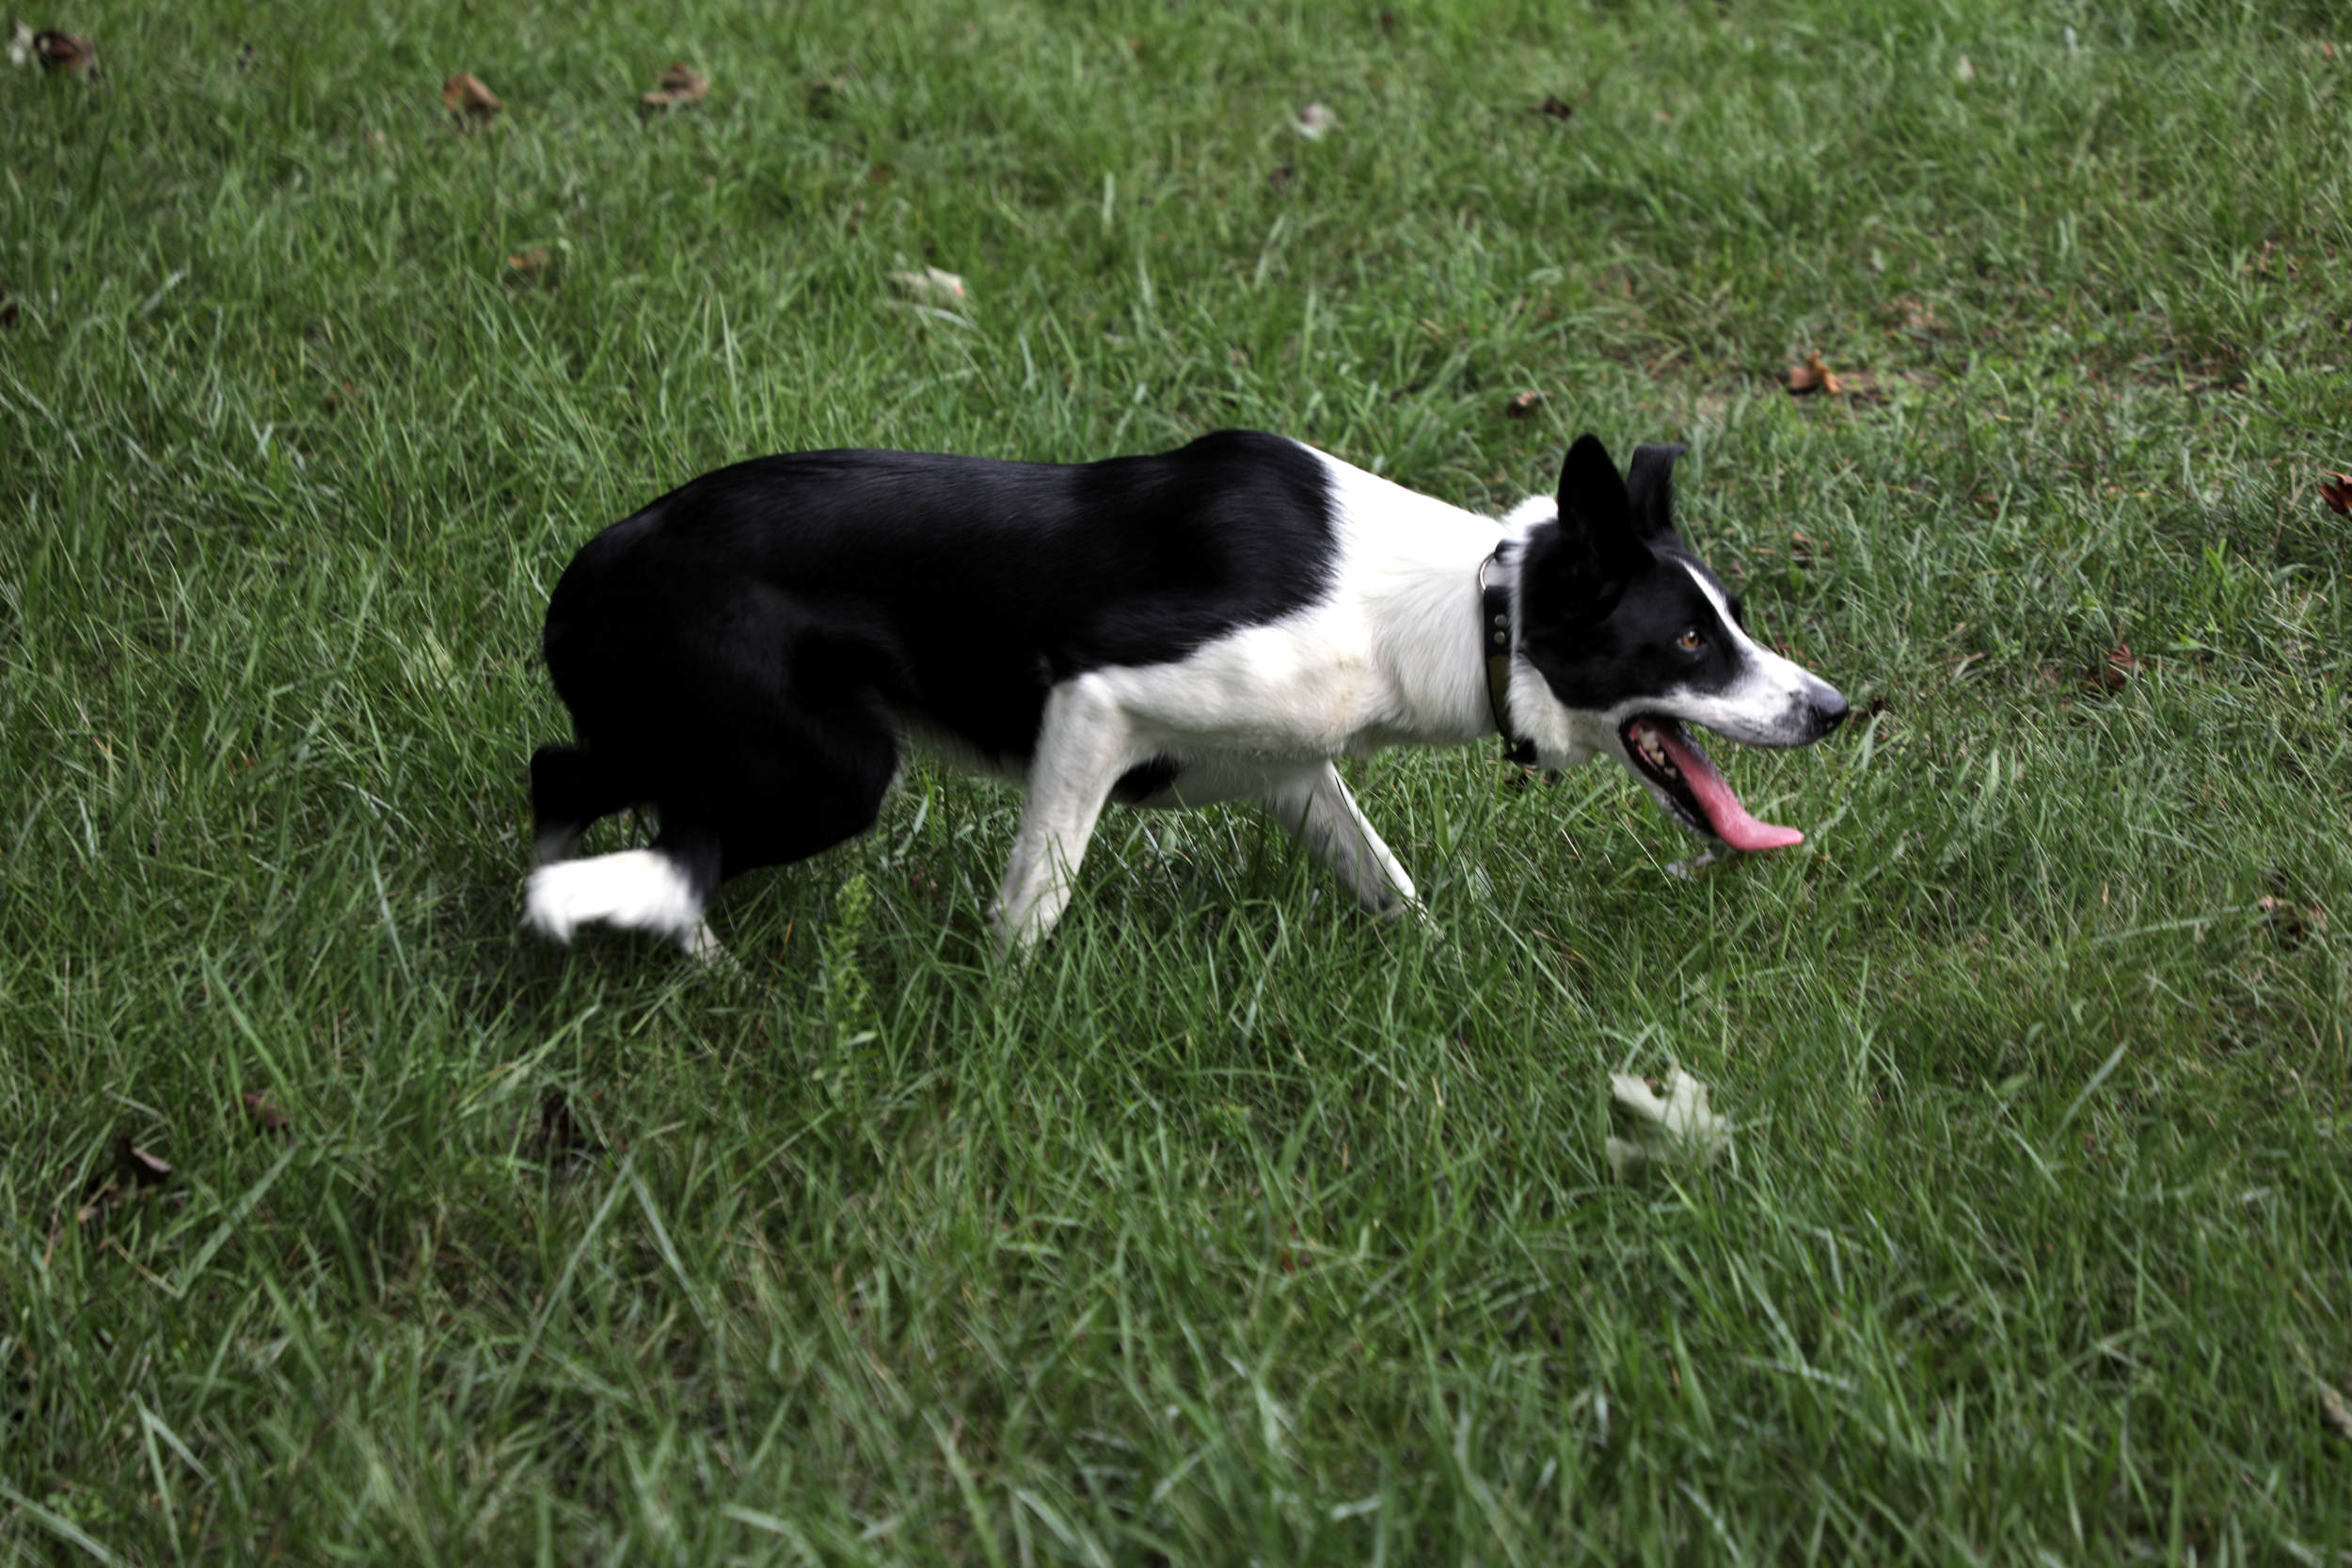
(1494, 634)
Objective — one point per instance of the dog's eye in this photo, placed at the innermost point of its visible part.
(1690, 639)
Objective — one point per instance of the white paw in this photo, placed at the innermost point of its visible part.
(637, 890)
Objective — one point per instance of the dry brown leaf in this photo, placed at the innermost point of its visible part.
(1556, 107)
(681, 84)
(65, 52)
(1917, 316)
(337, 395)
(2113, 673)
(464, 96)
(1801, 548)
(1814, 377)
(2289, 925)
(2336, 490)
(568, 1147)
(1524, 404)
(258, 1108)
(529, 266)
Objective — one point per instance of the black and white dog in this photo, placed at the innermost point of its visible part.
(750, 655)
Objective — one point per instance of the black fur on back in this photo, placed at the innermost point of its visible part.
(775, 621)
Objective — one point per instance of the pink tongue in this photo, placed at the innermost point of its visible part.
(1724, 813)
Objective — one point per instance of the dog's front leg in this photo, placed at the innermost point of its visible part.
(1319, 812)
(1082, 748)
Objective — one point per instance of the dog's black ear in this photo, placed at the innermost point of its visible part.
(1649, 488)
(1601, 537)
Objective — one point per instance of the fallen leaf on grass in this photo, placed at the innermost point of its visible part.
(336, 396)
(465, 97)
(2259, 265)
(1670, 1123)
(1917, 316)
(135, 1170)
(19, 43)
(931, 287)
(530, 266)
(1556, 107)
(1315, 121)
(681, 84)
(1876, 707)
(2291, 926)
(567, 1147)
(1279, 177)
(1814, 377)
(76, 56)
(2336, 490)
(2335, 1411)
(1965, 70)
(263, 1115)
(1800, 550)
(2113, 673)
(1524, 403)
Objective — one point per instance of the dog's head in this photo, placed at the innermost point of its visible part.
(1635, 639)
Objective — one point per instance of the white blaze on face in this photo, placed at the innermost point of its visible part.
(1773, 702)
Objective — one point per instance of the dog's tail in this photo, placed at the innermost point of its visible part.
(653, 890)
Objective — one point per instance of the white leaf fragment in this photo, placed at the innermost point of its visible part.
(19, 43)
(1677, 1127)
(934, 288)
(1315, 121)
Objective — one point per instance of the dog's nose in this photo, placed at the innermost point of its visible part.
(1829, 711)
(1828, 708)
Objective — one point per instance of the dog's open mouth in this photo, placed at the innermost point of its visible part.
(1662, 752)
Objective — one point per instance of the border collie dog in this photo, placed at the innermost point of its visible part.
(751, 654)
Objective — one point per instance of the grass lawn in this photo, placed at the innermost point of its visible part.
(1240, 1230)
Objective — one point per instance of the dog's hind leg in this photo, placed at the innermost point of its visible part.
(1083, 746)
(1319, 812)
(570, 787)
